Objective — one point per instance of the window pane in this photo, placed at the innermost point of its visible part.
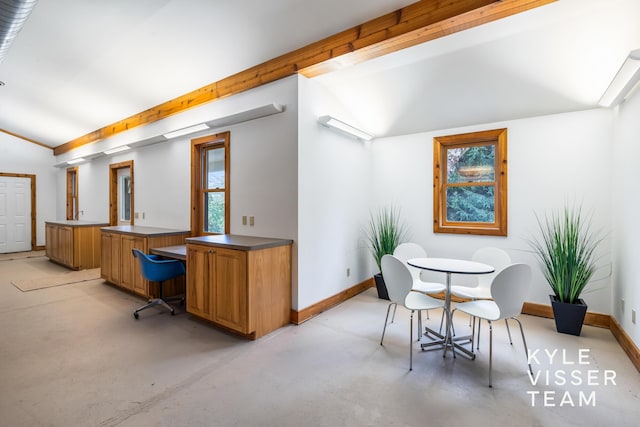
(471, 204)
(125, 198)
(214, 212)
(472, 164)
(214, 164)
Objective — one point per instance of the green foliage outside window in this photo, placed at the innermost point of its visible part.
(471, 203)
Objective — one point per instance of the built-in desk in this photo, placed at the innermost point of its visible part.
(74, 244)
(241, 283)
(118, 265)
(178, 252)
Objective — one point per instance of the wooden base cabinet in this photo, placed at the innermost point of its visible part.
(74, 244)
(121, 268)
(245, 290)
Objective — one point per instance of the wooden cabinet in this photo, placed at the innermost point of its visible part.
(110, 263)
(240, 283)
(74, 244)
(121, 268)
(201, 265)
(130, 275)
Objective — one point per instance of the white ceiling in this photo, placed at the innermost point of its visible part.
(79, 65)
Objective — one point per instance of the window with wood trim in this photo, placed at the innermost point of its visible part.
(470, 183)
(72, 194)
(210, 184)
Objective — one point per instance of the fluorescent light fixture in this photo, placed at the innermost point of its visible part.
(332, 122)
(117, 149)
(185, 131)
(77, 160)
(245, 116)
(625, 80)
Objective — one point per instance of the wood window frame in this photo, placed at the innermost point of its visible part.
(73, 209)
(113, 190)
(222, 139)
(440, 146)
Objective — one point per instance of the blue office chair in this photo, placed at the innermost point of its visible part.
(158, 270)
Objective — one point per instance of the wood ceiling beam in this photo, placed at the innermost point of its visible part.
(414, 24)
(33, 141)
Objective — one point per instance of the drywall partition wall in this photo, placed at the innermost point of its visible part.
(333, 200)
(552, 160)
(626, 227)
(23, 157)
(263, 167)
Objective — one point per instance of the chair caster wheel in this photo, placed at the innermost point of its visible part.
(173, 312)
(135, 314)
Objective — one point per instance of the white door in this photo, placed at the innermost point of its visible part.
(15, 214)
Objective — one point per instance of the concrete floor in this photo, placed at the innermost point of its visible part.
(74, 356)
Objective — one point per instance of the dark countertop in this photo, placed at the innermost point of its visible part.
(175, 252)
(77, 223)
(143, 231)
(234, 241)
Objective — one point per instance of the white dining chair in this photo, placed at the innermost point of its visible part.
(508, 292)
(406, 251)
(399, 282)
(498, 259)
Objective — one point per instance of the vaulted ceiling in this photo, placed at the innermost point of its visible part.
(78, 66)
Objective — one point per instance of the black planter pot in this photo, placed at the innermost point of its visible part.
(381, 287)
(569, 317)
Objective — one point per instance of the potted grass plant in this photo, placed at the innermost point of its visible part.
(566, 251)
(384, 233)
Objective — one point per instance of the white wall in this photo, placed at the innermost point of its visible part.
(263, 168)
(552, 159)
(20, 156)
(626, 222)
(333, 198)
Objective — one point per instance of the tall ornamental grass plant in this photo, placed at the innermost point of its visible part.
(566, 251)
(385, 232)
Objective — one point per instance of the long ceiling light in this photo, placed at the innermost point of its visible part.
(185, 131)
(625, 80)
(332, 122)
(245, 116)
(231, 119)
(117, 149)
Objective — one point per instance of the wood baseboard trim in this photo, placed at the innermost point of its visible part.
(626, 343)
(594, 319)
(298, 317)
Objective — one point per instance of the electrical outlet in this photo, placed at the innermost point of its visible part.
(348, 272)
(251, 221)
(136, 215)
(622, 304)
(244, 220)
(633, 317)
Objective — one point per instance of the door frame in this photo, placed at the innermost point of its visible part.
(113, 190)
(33, 203)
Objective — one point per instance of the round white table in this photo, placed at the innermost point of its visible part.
(450, 266)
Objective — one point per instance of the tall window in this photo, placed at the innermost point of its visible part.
(72, 193)
(470, 183)
(210, 184)
(121, 193)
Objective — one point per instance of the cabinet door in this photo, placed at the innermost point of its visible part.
(51, 240)
(230, 293)
(65, 246)
(130, 275)
(110, 257)
(201, 265)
